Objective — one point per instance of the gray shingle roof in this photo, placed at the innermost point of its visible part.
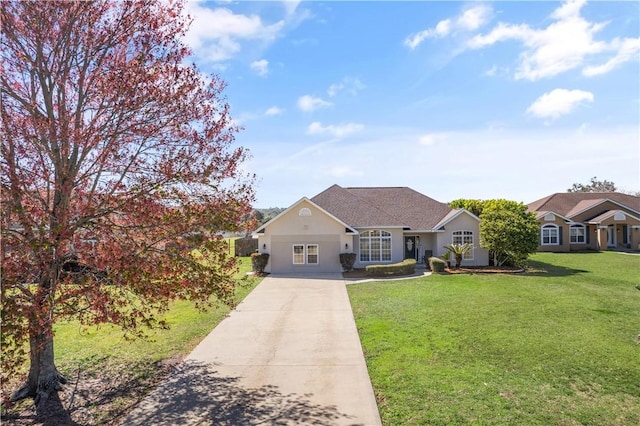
(382, 206)
(566, 203)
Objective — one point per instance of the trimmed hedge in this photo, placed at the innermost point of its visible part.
(436, 264)
(259, 262)
(406, 267)
(347, 261)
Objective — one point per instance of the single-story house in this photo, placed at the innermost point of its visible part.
(588, 220)
(380, 225)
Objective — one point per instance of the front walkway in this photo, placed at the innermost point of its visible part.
(288, 355)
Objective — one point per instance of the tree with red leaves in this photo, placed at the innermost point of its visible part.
(113, 149)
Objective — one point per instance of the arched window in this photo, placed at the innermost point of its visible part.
(577, 234)
(375, 246)
(464, 237)
(549, 235)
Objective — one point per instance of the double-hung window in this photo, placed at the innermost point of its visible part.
(550, 235)
(577, 234)
(305, 254)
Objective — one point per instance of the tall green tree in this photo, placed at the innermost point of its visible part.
(112, 148)
(510, 235)
(507, 230)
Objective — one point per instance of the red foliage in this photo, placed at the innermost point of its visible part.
(112, 149)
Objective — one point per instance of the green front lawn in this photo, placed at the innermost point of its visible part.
(558, 345)
(108, 375)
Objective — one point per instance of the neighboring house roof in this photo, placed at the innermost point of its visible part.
(383, 207)
(610, 213)
(569, 204)
(540, 215)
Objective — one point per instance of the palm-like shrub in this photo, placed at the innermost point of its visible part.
(458, 251)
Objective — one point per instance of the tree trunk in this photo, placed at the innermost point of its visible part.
(458, 260)
(44, 378)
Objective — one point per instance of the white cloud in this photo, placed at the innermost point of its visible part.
(339, 131)
(349, 84)
(311, 103)
(469, 20)
(261, 67)
(626, 50)
(274, 110)
(565, 44)
(216, 34)
(559, 102)
(433, 138)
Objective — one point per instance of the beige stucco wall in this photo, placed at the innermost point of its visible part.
(562, 227)
(291, 228)
(463, 222)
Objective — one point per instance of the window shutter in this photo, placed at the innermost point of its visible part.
(588, 231)
(560, 235)
(624, 234)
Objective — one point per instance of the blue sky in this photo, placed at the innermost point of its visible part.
(511, 100)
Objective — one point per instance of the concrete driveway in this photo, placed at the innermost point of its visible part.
(289, 354)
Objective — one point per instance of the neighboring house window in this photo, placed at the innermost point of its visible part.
(577, 234)
(464, 237)
(375, 246)
(305, 254)
(550, 235)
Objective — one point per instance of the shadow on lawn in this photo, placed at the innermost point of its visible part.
(542, 269)
(197, 394)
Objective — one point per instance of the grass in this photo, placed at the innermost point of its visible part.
(109, 374)
(80, 347)
(557, 345)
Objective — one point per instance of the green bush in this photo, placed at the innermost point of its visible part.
(347, 261)
(406, 267)
(259, 262)
(436, 264)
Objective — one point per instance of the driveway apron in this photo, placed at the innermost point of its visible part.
(289, 354)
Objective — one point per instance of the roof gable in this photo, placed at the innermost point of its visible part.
(303, 200)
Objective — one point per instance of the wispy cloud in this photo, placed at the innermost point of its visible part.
(261, 67)
(563, 45)
(274, 110)
(311, 103)
(469, 20)
(350, 85)
(337, 131)
(559, 102)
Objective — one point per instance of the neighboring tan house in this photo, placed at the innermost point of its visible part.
(588, 220)
(380, 225)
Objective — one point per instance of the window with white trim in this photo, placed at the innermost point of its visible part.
(577, 234)
(375, 246)
(306, 254)
(464, 237)
(549, 235)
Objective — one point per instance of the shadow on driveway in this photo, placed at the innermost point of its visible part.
(196, 394)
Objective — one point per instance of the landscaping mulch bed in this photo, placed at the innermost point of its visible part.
(362, 273)
(485, 270)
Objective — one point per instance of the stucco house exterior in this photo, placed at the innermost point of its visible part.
(588, 220)
(379, 224)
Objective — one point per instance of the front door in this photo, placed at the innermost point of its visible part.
(611, 236)
(409, 247)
